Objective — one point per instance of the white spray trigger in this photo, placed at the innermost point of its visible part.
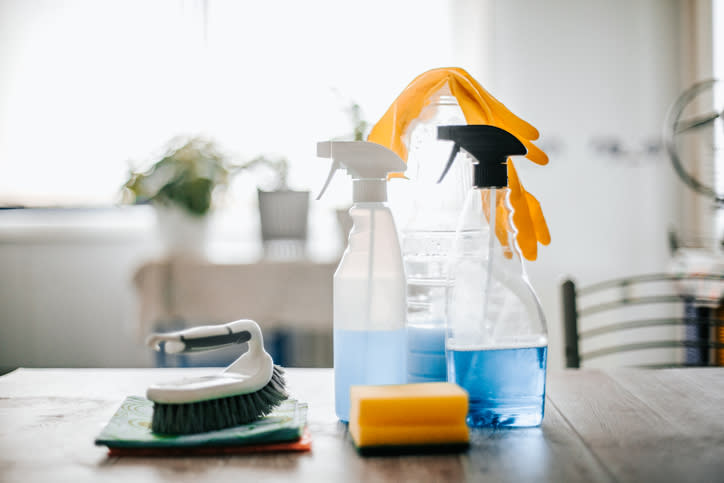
(332, 170)
(363, 160)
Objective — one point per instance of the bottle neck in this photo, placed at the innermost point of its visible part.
(427, 154)
(369, 190)
(497, 212)
(433, 205)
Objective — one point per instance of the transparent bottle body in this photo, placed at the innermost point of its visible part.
(496, 338)
(369, 306)
(428, 236)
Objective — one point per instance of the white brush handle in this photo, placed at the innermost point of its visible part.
(203, 338)
(249, 373)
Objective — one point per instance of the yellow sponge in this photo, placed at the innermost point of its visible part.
(427, 417)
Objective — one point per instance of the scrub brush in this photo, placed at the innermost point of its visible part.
(248, 389)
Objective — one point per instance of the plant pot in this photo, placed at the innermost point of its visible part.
(284, 215)
(181, 233)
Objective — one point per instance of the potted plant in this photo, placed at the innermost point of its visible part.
(181, 186)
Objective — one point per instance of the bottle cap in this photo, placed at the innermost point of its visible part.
(490, 147)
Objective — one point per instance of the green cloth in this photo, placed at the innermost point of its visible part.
(130, 427)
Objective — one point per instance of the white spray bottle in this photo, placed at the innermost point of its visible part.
(369, 284)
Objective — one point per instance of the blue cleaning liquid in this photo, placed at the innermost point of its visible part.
(426, 353)
(506, 386)
(365, 357)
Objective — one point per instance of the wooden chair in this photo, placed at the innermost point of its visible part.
(699, 317)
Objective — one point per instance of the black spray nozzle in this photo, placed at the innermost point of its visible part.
(489, 145)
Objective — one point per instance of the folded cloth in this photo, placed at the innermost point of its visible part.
(303, 444)
(129, 433)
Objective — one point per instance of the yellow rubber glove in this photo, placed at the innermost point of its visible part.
(479, 107)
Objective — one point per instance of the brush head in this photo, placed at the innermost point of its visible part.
(222, 412)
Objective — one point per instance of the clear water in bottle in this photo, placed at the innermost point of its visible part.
(426, 353)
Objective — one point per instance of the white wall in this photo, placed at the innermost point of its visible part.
(66, 292)
(581, 70)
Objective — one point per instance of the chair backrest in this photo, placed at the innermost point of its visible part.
(702, 316)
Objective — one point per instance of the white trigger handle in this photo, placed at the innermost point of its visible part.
(324, 150)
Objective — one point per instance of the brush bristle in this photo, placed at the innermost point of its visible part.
(203, 416)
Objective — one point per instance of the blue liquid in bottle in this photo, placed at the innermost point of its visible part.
(506, 386)
(366, 357)
(426, 353)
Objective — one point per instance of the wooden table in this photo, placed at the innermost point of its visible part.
(621, 425)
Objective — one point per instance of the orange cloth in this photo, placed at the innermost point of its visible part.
(479, 107)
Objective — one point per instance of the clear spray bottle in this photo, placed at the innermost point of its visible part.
(369, 284)
(428, 235)
(496, 341)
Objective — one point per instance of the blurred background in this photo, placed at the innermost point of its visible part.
(91, 91)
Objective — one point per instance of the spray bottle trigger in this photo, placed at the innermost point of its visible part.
(332, 170)
(455, 151)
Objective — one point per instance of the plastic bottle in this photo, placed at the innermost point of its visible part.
(496, 332)
(369, 284)
(428, 235)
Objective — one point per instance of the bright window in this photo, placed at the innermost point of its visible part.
(86, 86)
(718, 71)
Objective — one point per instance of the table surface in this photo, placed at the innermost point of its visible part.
(614, 425)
